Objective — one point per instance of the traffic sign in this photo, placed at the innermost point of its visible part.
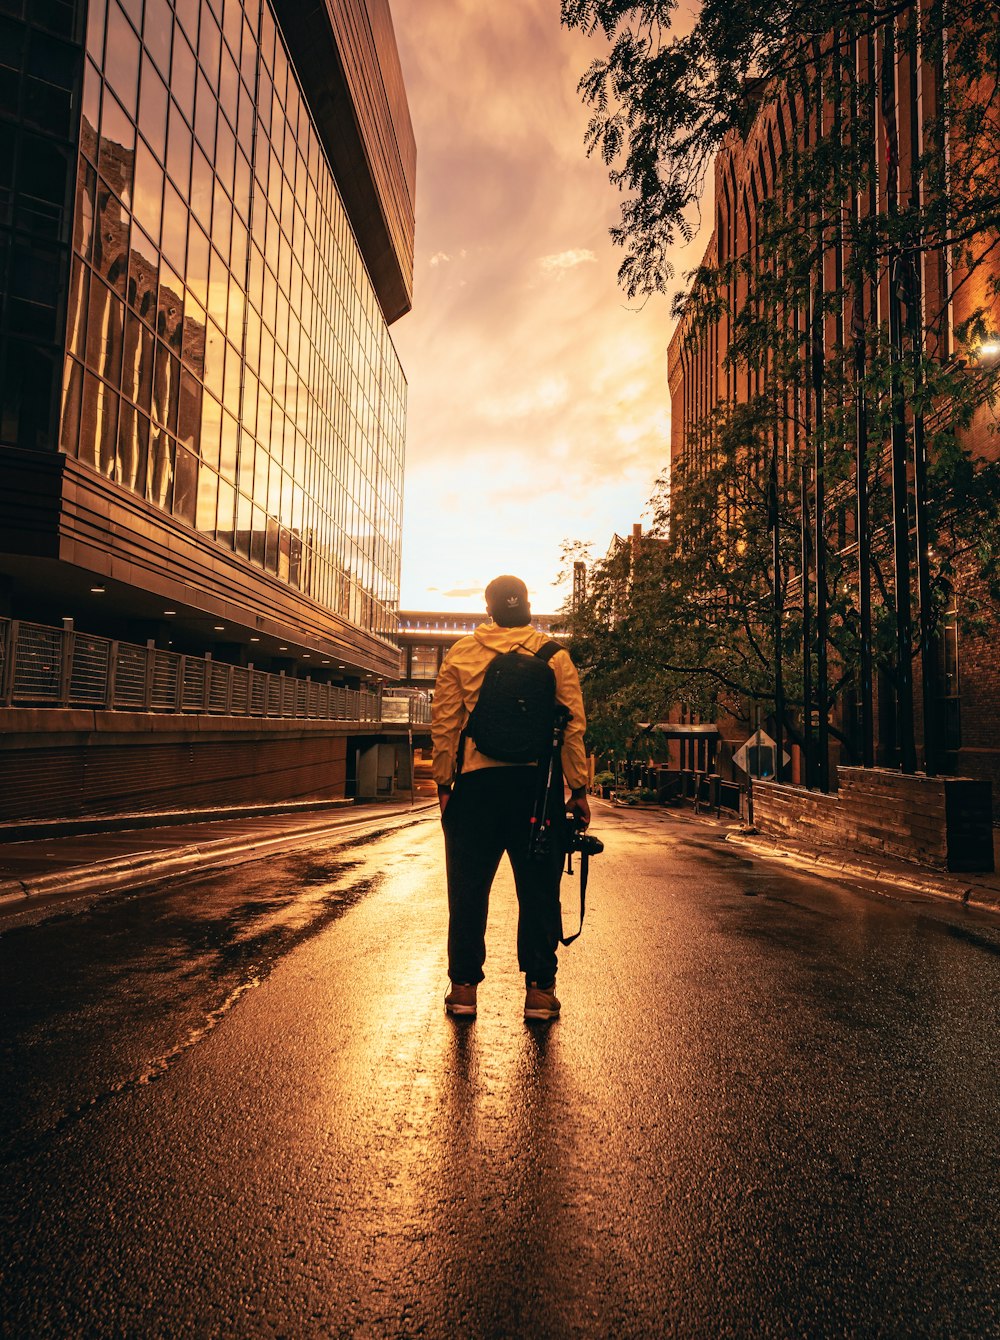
(756, 756)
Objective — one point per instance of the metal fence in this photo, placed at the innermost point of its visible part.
(60, 667)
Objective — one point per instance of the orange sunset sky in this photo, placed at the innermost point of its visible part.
(538, 406)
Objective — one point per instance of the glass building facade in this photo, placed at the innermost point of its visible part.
(224, 355)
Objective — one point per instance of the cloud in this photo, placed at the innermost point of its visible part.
(536, 409)
(562, 261)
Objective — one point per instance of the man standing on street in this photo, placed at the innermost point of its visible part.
(487, 802)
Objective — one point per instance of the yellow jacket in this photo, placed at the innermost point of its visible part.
(457, 690)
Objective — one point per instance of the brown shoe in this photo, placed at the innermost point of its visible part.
(541, 1003)
(461, 999)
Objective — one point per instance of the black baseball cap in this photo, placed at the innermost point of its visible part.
(507, 601)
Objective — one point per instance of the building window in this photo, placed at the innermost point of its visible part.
(424, 663)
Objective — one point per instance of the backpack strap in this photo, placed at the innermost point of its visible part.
(546, 652)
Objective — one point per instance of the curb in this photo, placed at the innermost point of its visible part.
(956, 891)
(150, 867)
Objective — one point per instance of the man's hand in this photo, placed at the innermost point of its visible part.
(444, 795)
(579, 805)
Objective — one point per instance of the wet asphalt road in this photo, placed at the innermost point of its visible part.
(237, 1108)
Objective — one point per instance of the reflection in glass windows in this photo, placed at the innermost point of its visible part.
(227, 359)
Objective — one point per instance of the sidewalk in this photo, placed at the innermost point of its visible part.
(885, 874)
(103, 855)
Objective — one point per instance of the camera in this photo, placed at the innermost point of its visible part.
(578, 839)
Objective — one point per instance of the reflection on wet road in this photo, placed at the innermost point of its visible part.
(769, 1108)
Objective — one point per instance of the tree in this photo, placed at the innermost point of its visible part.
(850, 383)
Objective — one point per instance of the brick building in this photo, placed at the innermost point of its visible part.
(950, 288)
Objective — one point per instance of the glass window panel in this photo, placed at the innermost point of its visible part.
(91, 110)
(248, 56)
(110, 254)
(197, 265)
(228, 448)
(211, 430)
(105, 326)
(237, 308)
(121, 58)
(206, 113)
(76, 323)
(153, 109)
(218, 289)
(215, 358)
(226, 514)
(184, 72)
(187, 12)
(133, 449)
(258, 535)
(270, 301)
(98, 424)
(170, 309)
(232, 23)
(262, 464)
(160, 471)
(179, 145)
(244, 520)
(86, 203)
(96, 13)
(173, 242)
(267, 36)
(271, 546)
(222, 218)
(143, 277)
(241, 189)
(69, 432)
(185, 486)
(279, 73)
(225, 156)
(258, 223)
(148, 191)
(137, 362)
(202, 187)
(133, 8)
(210, 47)
(266, 359)
(244, 128)
(245, 477)
(158, 31)
(284, 553)
(193, 352)
(166, 387)
(251, 346)
(189, 413)
(231, 384)
(229, 88)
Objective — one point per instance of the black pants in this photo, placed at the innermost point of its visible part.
(489, 813)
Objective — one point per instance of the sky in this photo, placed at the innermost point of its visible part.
(538, 410)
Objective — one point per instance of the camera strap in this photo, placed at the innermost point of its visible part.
(584, 873)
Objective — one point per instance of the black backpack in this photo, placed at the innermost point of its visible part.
(514, 714)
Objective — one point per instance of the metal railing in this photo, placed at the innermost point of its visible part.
(42, 666)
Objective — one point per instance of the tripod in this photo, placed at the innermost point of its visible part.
(549, 792)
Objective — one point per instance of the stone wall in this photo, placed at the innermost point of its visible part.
(941, 822)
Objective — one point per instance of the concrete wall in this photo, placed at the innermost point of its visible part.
(56, 764)
(941, 822)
